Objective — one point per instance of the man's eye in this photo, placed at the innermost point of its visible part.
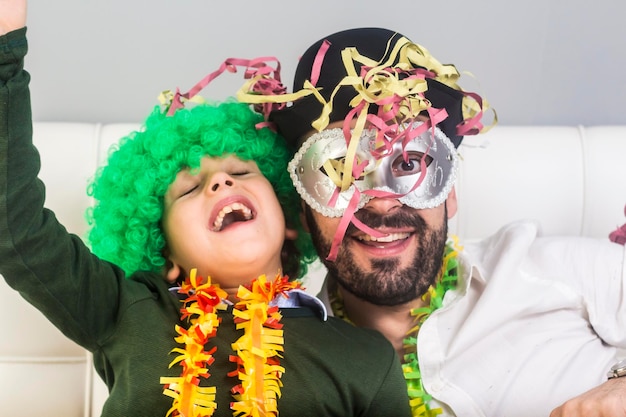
(401, 167)
(337, 165)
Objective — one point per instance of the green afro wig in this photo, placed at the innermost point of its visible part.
(125, 222)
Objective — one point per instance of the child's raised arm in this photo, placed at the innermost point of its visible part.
(51, 268)
(12, 15)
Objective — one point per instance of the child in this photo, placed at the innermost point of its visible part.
(200, 193)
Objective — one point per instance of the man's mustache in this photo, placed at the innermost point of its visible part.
(403, 217)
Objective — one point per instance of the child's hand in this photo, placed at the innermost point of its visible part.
(12, 15)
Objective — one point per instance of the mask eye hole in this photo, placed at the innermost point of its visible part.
(411, 166)
(337, 164)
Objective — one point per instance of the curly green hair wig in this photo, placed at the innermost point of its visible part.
(129, 190)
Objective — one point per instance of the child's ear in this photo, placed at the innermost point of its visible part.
(291, 234)
(172, 272)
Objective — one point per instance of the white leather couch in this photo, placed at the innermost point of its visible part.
(572, 179)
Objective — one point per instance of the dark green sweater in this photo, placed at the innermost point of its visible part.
(331, 368)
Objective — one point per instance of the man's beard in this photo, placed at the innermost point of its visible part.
(385, 283)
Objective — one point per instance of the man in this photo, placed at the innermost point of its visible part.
(511, 326)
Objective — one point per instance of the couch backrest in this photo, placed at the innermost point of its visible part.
(571, 179)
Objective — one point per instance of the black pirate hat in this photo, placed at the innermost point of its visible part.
(294, 121)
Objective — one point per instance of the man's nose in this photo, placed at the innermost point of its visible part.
(383, 205)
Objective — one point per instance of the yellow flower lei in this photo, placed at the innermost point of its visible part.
(257, 359)
(447, 279)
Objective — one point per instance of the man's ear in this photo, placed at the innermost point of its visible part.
(451, 203)
(291, 234)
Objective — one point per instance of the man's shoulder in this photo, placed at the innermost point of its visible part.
(522, 243)
(511, 240)
(519, 232)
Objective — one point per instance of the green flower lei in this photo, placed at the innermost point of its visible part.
(447, 279)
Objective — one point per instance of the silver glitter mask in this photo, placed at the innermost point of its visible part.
(389, 176)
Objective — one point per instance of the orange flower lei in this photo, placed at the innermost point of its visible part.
(257, 359)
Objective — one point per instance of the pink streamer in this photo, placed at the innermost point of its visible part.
(317, 62)
(269, 85)
(619, 234)
(347, 217)
(471, 126)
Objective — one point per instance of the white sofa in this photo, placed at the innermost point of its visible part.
(570, 178)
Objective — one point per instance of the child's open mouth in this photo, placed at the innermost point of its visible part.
(232, 213)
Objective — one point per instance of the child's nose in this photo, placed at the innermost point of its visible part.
(220, 180)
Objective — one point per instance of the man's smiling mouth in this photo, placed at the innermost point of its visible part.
(391, 237)
(232, 213)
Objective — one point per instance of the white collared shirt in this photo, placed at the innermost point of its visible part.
(533, 322)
